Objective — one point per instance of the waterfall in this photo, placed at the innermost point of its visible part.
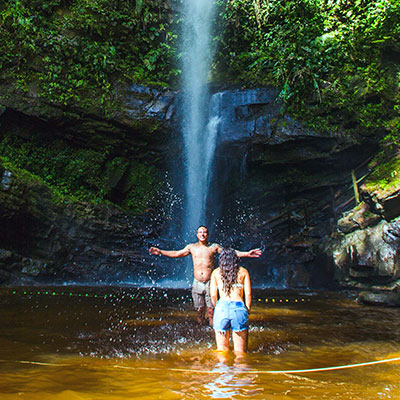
(214, 120)
(198, 130)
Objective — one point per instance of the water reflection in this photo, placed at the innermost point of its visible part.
(118, 343)
(231, 379)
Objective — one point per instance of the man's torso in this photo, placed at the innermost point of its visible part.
(203, 260)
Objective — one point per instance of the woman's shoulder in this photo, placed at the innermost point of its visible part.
(242, 272)
(215, 272)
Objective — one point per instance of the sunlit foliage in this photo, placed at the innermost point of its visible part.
(71, 50)
(344, 53)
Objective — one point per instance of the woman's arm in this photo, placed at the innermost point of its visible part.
(247, 289)
(214, 287)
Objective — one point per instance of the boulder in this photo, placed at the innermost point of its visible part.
(391, 205)
(369, 255)
(391, 299)
(359, 217)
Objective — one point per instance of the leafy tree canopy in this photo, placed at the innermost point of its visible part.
(321, 53)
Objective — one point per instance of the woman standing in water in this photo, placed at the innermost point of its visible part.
(232, 284)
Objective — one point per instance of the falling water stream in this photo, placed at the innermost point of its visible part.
(197, 130)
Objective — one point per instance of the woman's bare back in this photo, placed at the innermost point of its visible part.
(237, 289)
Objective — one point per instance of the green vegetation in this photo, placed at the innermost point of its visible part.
(324, 55)
(336, 64)
(385, 177)
(74, 51)
(22, 174)
(385, 167)
(19, 189)
(81, 174)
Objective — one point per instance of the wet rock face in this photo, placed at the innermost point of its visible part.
(295, 180)
(44, 242)
(140, 103)
(139, 112)
(252, 122)
(245, 113)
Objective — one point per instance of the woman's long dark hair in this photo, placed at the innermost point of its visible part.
(228, 264)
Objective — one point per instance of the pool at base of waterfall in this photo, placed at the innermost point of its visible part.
(75, 342)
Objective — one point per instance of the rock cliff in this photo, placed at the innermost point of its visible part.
(280, 184)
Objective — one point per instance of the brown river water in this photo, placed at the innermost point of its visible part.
(67, 343)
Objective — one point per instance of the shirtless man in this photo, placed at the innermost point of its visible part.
(203, 256)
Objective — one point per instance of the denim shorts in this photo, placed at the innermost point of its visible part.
(230, 315)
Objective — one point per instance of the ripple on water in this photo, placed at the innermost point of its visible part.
(135, 348)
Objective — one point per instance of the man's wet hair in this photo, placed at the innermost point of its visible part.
(202, 226)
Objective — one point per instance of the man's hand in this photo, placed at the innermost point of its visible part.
(251, 253)
(255, 253)
(155, 251)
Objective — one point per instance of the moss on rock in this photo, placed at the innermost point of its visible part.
(384, 179)
(78, 175)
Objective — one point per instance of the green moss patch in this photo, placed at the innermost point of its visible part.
(385, 178)
(81, 175)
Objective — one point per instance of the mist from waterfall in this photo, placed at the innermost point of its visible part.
(198, 130)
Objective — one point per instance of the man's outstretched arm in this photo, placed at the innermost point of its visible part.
(170, 253)
(251, 253)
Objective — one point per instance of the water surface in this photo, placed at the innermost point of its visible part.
(126, 343)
